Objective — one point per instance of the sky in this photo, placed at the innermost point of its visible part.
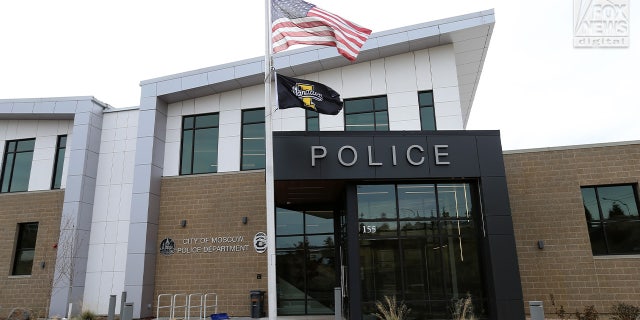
(535, 87)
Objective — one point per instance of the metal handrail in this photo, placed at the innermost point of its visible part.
(215, 305)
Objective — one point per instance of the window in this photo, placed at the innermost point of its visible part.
(305, 261)
(427, 110)
(366, 114)
(199, 144)
(253, 149)
(612, 219)
(25, 248)
(420, 243)
(17, 165)
(59, 162)
(313, 121)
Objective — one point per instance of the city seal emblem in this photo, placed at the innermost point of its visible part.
(260, 242)
(167, 247)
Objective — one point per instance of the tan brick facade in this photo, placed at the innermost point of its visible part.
(546, 203)
(31, 291)
(213, 206)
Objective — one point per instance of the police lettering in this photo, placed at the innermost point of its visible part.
(415, 155)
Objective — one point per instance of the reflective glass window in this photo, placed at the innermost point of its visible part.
(199, 144)
(426, 254)
(313, 120)
(427, 110)
(305, 261)
(417, 201)
(59, 162)
(16, 168)
(25, 248)
(289, 222)
(319, 221)
(376, 202)
(612, 219)
(366, 114)
(253, 145)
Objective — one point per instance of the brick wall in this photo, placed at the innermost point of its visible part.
(213, 206)
(546, 203)
(31, 291)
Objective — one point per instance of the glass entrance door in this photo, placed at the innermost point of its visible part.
(305, 262)
(419, 243)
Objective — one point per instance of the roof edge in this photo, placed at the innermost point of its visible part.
(487, 17)
(574, 147)
(57, 99)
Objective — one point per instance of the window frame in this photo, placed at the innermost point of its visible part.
(192, 131)
(311, 116)
(18, 249)
(59, 148)
(11, 173)
(242, 137)
(431, 106)
(374, 111)
(602, 222)
(305, 233)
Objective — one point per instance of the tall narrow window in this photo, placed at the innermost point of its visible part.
(305, 259)
(366, 114)
(25, 248)
(612, 219)
(253, 149)
(199, 144)
(59, 162)
(313, 121)
(427, 110)
(16, 170)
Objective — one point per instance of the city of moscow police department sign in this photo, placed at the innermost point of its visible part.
(212, 244)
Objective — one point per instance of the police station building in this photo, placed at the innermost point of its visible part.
(391, 197)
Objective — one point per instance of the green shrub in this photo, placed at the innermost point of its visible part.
(462, 309)
(624, 311)
(560, 312)
(590, 313)
(88, 315)
(391, 310)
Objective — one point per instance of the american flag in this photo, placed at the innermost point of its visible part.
(300, 22)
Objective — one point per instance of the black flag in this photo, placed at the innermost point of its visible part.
(310, 95)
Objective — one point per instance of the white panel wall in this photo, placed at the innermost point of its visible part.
(446, 94)
(46, 133)
(402, 92)
(333, 79)
(111, 211)
(423, 70)
(399, 77)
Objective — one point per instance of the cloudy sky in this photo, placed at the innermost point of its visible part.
(535, 87)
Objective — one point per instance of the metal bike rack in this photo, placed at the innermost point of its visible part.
(160, 306)
(191, 304)
(204, 303)
(213, 297)
(177, 306)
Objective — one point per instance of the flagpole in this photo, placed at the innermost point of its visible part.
(268, 141)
